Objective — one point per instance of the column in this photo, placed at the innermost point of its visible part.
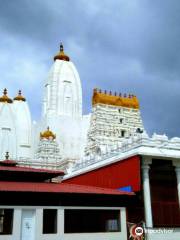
(147, 192)
(177, 170)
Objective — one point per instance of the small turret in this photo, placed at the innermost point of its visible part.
(48, 150)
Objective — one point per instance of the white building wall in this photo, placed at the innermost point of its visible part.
(60, 230)
(169, 234)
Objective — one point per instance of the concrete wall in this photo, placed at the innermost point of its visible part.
(60, 230)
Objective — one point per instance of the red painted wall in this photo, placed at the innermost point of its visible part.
(120, 174)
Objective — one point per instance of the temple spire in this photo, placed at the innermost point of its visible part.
(61, 55)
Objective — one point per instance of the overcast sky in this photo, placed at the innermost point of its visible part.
(128, 46)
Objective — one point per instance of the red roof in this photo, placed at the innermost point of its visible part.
(13, 173)
(8, 162)
(57, 188)
(29, 169)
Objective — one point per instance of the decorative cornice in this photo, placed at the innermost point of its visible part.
(129, 101)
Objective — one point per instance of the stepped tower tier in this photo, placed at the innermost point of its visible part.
(114, 117)
(62, 89)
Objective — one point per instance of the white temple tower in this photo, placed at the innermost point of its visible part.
(23, 127)
(15, 127)
(114, 117)
(8, 137)
(62, 107)
(62, 90)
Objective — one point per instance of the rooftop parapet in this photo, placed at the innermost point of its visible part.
(159, 145)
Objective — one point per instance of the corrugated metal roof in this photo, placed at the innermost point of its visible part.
(57, 188)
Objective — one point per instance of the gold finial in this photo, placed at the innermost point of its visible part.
(5, 91)
(48, 134)
(95, 90)
(19, 97)
(61, 55)
(61, 47)
(7, 156)
(5, 98)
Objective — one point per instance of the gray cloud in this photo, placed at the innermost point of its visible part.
(124, 46)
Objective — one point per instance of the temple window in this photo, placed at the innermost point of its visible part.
(89, 221)
(123, 133)
(6, 221)
(49, 221)
(121, 120)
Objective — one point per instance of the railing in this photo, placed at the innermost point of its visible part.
(160, 142)
(166, 214)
